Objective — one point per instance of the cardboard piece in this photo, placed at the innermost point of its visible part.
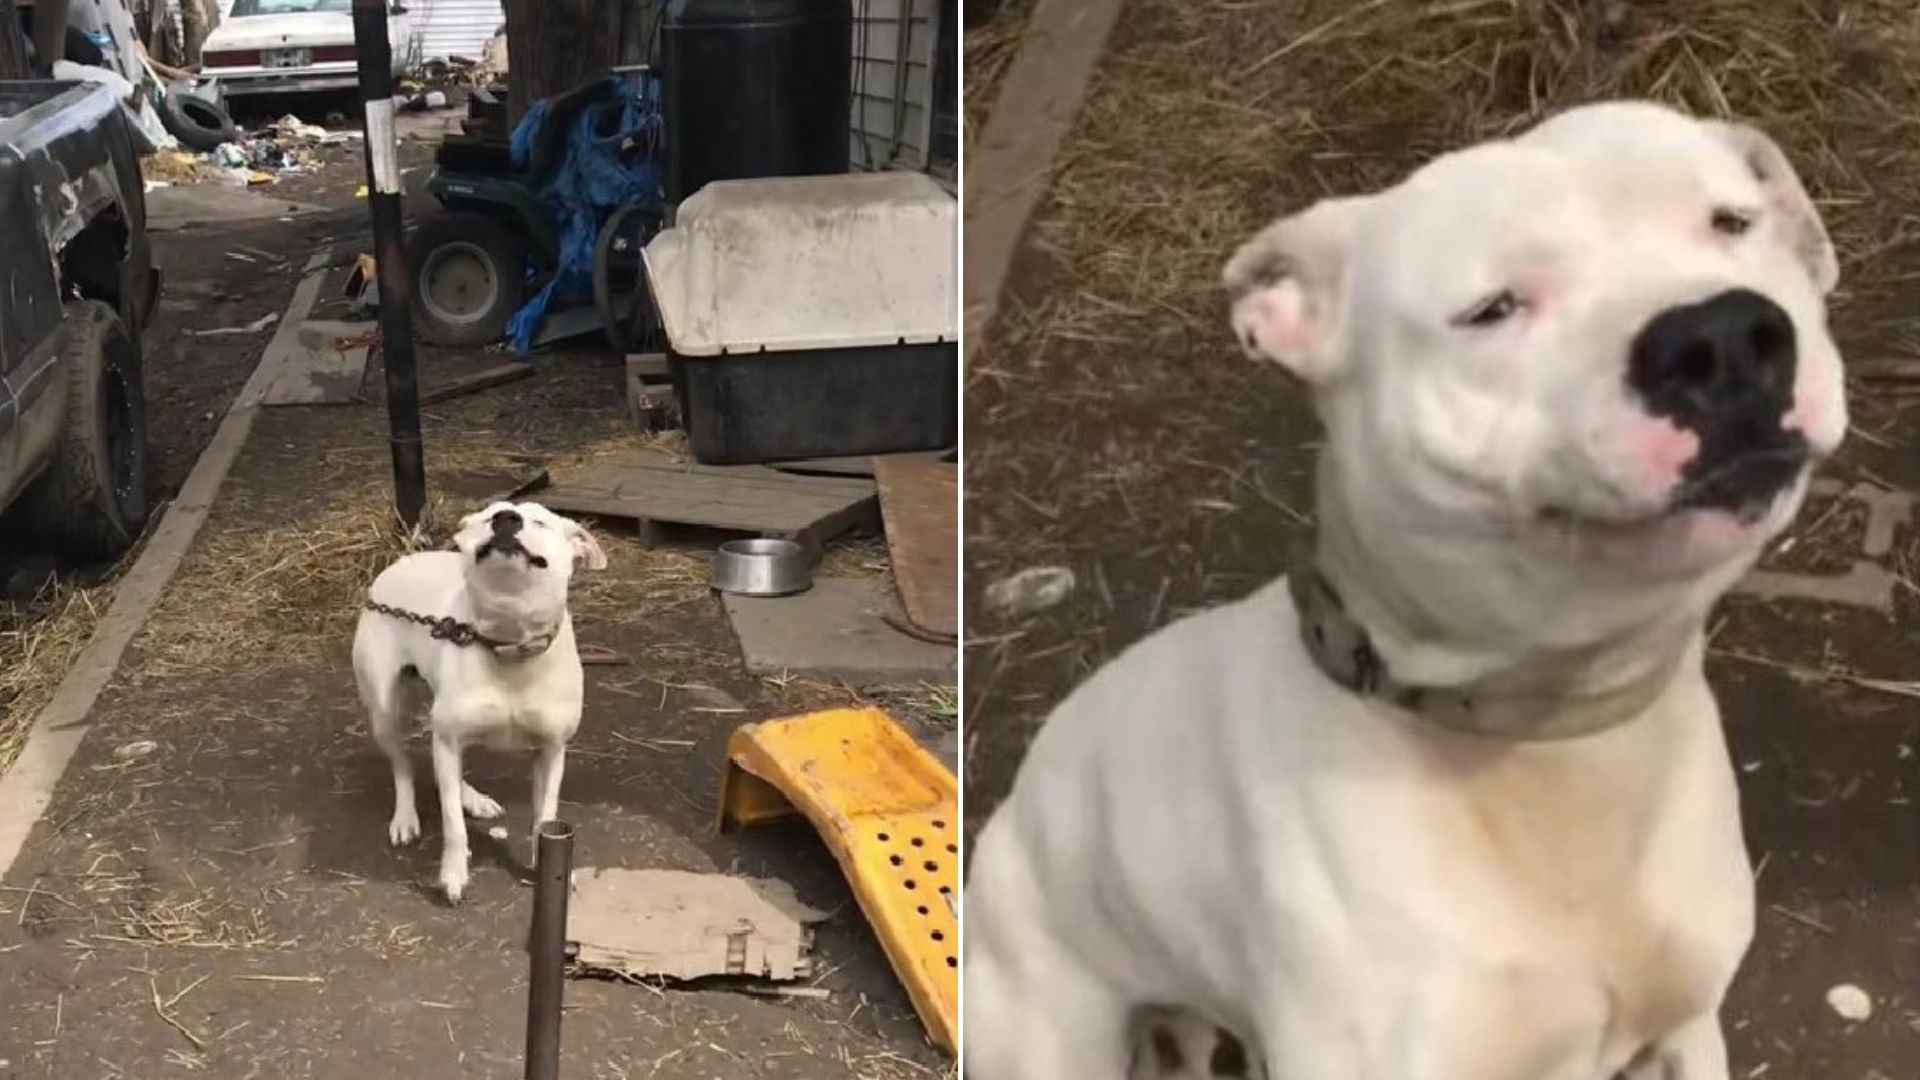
(679, 925)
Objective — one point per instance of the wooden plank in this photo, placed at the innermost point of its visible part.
(325, 364)
(745, 499)
(1010, 168)
(920, 504)
(473, 382)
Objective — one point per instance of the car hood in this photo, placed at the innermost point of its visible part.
(282, 31)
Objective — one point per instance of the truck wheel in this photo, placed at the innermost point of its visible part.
(199, 124)
(91, 503)
(469, 277)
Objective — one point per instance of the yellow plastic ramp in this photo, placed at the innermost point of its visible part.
(890, 812)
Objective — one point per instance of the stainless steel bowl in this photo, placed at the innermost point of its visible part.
(761, 567)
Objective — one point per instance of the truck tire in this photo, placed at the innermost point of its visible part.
(469, 277)
(199, 124)
(91, 502)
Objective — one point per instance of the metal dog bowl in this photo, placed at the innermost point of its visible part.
(761, 567)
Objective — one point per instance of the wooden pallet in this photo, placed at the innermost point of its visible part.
(655, 491)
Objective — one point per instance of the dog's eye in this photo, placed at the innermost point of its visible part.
(1730, 222)
(1492, 311)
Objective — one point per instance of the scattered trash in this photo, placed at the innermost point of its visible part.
(432, 99)
(136, 750)
(1030, 591)
(360, 192)
(679, 925)
(253, 327)
(497, 832)
(363, 285)
(1852, 1003)
(228, 155)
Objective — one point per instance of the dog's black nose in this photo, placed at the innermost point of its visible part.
(1729, 355)
(506, 522)
(1723, 369)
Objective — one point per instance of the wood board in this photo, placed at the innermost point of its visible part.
(919, 503)
(325, 364)
(653, 490)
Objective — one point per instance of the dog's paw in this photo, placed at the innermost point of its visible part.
(453, 881)
(405, 827)
(476, 805)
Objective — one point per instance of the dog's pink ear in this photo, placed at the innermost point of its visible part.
(586, 549)
(1288, 286)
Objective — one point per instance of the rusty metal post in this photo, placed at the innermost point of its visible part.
(546, 981)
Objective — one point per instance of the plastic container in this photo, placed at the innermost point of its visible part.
(813, 316)
(755, 88)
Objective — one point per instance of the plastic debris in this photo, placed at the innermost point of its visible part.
(253, 327)
(1852, 1003)
(1030, 591)
(135, 750)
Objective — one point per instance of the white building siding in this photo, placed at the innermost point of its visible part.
(454, 27)
(891, 119)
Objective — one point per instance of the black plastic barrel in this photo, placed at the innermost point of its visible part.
(755, 88)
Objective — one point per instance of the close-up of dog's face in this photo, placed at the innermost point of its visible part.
(523, 555)
(1606, 337)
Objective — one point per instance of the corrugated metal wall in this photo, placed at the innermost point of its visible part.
(891, 120)
(454, 27)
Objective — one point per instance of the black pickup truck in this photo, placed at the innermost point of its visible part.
(77, 285)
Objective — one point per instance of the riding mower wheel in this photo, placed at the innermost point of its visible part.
(469, 277)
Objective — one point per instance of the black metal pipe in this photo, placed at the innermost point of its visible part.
(374, 56)
(546, 982)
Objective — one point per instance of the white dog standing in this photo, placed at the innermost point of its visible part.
(486, 626)
(1453, 801)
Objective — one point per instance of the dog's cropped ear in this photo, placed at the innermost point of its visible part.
(586, 549)
(1288, 288)
(1787, 200)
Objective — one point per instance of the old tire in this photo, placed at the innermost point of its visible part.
(469, 277)
(199, 124)
(91, 502)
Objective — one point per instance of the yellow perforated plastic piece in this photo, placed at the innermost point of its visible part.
(889, 811)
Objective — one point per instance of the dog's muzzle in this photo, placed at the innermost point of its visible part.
(505, 540)
(1724, 369)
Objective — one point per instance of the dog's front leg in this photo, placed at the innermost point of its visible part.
(1695, 1052)
(548, 766)
(453, 822)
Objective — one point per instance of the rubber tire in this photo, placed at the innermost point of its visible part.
(72, 507)
(199, 124)
(633, 334)
(504, 247)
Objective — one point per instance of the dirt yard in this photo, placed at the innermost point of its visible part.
(1113, 428)
(211, 891)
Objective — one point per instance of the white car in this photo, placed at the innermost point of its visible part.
(291, 46)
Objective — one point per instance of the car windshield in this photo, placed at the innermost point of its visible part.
(244, 8)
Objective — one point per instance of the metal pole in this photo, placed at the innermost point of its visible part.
(546, 983)
(374, 54)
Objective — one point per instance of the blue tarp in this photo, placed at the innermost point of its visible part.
(609, 159)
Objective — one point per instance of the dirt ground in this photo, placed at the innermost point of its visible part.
(1113, 428)
(212, 892)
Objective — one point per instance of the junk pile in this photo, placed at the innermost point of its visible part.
(287, 147)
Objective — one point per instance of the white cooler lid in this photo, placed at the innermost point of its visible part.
(808, 262)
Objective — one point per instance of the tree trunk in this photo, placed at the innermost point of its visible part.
(13, 44)
(555, 45)
(194, 26)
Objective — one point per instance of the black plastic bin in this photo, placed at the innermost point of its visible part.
(747, 408)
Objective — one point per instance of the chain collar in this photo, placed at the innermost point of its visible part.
(450, 630)
(1342, 649)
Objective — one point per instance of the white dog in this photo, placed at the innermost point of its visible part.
(1452, 802)
(486, 626)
